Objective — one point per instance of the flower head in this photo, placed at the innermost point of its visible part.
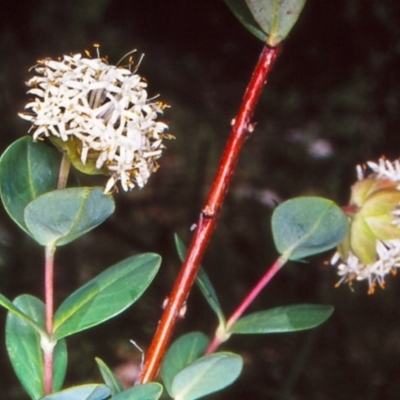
(371, 249)
(99, 115)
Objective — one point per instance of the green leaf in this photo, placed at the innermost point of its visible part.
(243, 14)
(107, 295)
(305, 226)
(24, 348)
(84, 392)
(204, 284)
(27, 170)
(8, 305)
(206, 375)
(109, 378)
(185, 350)
(283, 319)
(148, 391)
(275, 17)
(69, 213)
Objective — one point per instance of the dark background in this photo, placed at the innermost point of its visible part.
(336, 86)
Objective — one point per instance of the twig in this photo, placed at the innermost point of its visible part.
(208, 216)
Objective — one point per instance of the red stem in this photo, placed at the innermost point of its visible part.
(247, 301)
(49, 312)
(208, 216)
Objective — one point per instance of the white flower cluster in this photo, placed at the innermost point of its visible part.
(387, 260)
(105, 109)
(387, 251)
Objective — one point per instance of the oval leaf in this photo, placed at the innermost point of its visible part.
(27, 170)
(243, 14)
(109, 378)
(107, 295)
(84, 392)
(148, 391)
(283, 319)
(8, 305)
(305, 226)
(206, 375)
(70, 213)
(184, 351)
(275, 17)
(24, 350)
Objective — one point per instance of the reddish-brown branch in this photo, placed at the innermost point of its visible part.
(208, 216)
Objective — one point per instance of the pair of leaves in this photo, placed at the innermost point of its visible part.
(28, 179)
(269, 20)
(102, 298)
(187, 375)
(316, 238)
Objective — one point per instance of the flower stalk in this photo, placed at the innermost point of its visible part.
(208, 217)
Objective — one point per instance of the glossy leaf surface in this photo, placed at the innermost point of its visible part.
(61, 216)
(283, 319)
(27, 170)
(24, 349)
(107, 295)
(305, 226)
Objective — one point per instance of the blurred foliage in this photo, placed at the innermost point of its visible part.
(332, 101)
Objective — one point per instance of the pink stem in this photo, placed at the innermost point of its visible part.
(247, 301)
(49, 312)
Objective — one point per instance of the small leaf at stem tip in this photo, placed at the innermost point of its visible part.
(305, 226)
(185, 350)
(148, 391)
(207, 375)
(84, 392)
(69, 214)
(275, 17)
(283, 319)
(27, 170)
